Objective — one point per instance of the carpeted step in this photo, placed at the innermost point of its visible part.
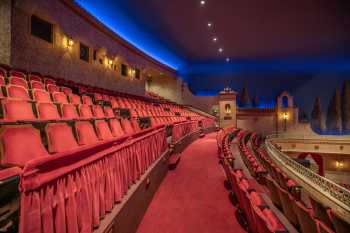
(174, 161)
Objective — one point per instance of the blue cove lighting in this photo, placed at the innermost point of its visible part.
(109, 14)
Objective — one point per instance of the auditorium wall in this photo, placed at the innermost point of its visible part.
(5, 31)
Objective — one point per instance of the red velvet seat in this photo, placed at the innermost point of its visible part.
(17, 110)
(52, 88)
(85, 111)
(135, 125)
(286, 200)
(37, 85)
(17, 92)
(126, 124)
(109, 113)
(117, 130)
(66, 90)
(2, 81)
(74, 99)
(98, 111)
(47, 111)
(18, 82)
(87, 100)
(20, 144)
(69, 112)
(49, 81)
(59, 97)
(35, 78)
(306, 220)
(103, 130)
(60, 137)
(86, 133)
(41, 96)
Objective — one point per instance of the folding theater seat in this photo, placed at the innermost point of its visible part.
(85, 111)
(47, 111)
(37, 85)
(287, 208)
(98, 112)
(17, 92)
(321, 212)
(98, 97)
(52, 88)
(35, 78)
(66, 90)
(69, 112)
(2, 80)
(20, 144)
(87, 100)
(135, 125)
(41, 96)
(48, 81)
(275, 198)
(267, 221)
(307, 222)
(109, 113)
(86, 133)
(74, 99)
(114, 102)
(60, 137)
(116, 128)
(18, 82)
(59, 97)
(103, 130)
(17, 110)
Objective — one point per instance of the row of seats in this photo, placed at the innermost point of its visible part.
(258, 216)
(285, 193)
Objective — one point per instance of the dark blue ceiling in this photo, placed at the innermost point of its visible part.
(258, 36)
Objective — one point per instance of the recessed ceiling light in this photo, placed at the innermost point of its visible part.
(215, 39)
(227, 59)
(221, 50)
(202, 3)
(210, 24)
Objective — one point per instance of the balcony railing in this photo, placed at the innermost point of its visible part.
(322, 189)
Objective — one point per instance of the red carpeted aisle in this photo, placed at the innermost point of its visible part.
(193, 198)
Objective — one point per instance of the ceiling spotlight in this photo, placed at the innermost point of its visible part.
(210, 24)
(227, 59)
(221, 50)
(202, 3)
(215, 39)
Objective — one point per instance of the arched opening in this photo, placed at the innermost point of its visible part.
(317, 158)
(285, 102)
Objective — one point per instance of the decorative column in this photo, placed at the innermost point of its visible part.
(227, 108)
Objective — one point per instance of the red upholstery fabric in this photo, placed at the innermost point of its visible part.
(52, 88)
(60, 138)
(76, 202)
(109, 113)
(18, 82)
(49, 81)
(59, 97)
(2, 80)
(103, 130)
(86, 133)
(69, 111)
(135, 125)
(17, 110)
(85, 111)
(33, 77)
(41, 96)
(37, 85)
(66, 90)
(9, 172)
(126, 124)
(256, 199)
(87, 100)
(74, 99)
(274, 224)
(21, 144)
(17, 92)
(117, 130)
(98, 111)
(47, 111)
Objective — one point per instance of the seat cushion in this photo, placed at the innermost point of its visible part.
(60, 137)
(86, 133)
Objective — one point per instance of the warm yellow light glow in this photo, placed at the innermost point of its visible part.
(285, 115)
(228, 109)
(110, 62)
(339, 164)
(68, 42)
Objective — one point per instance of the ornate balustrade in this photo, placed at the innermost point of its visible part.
(322, 189)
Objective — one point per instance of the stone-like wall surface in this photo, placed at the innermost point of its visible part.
(5, 31)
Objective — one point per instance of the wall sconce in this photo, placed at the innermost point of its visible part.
(285, 116)
(339, 164)
(68, 42)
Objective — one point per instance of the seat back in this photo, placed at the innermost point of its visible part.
(321, 212)
(117, 130)
(272, 186)
(126, 124)
(41, 96)
(17, 92)
(109, 113)
(37, 85)
(86, 133)
(60, 137)
(20, 144)
(85, 111)
(87, 100)
(287, 208)
(74, 99)
(103, 130)
(47, 111)
(69, 111)
(18, 82)
(59, 97)
(98, 111)
(306, 222)
(52, 88)
(16, 110)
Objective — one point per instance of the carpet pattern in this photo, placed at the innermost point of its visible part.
(192, 198)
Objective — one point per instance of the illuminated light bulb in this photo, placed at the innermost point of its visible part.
(202, 3)
(210, 24)
(227, 59)
(221, 50)
(70, 42)
(215, 39)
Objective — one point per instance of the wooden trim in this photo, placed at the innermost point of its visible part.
(104, 29)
